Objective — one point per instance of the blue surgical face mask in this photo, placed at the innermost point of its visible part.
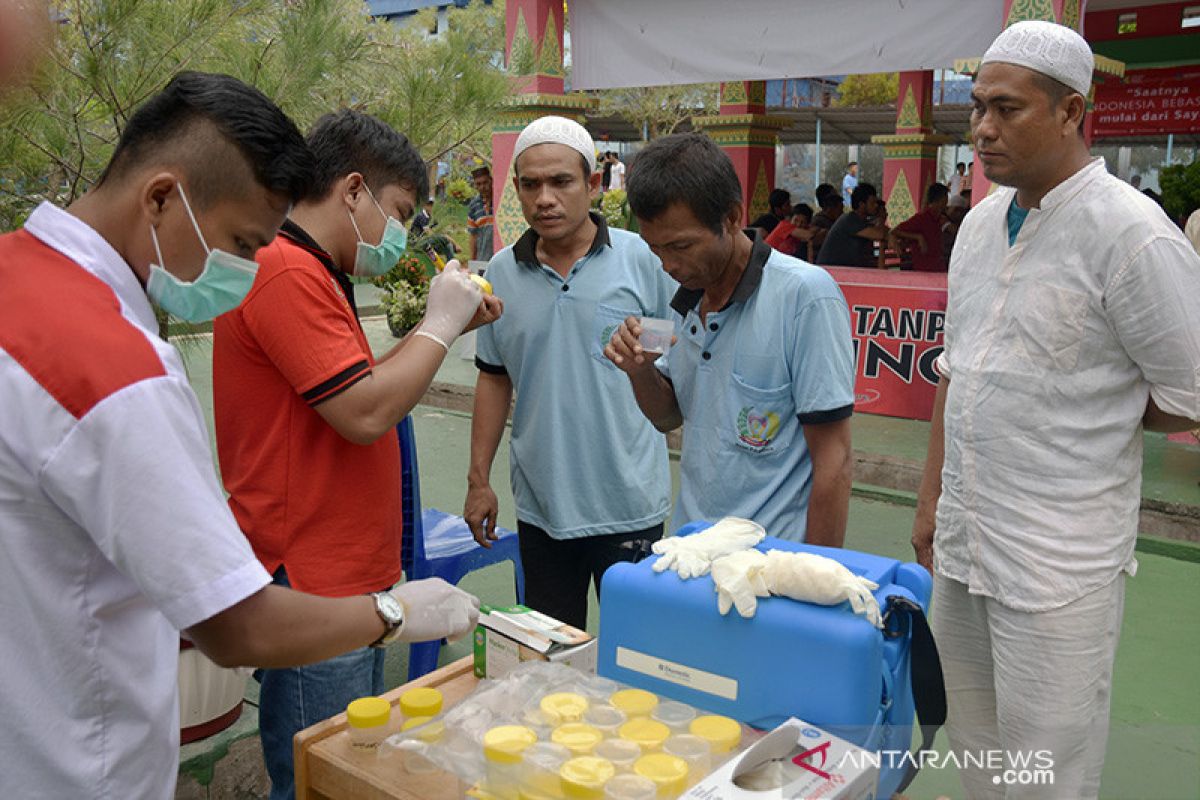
(222, 285)
(371, 260)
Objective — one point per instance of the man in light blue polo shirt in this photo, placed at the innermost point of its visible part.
(589, 472)
(762, 374)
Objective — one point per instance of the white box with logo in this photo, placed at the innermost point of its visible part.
(793, 762)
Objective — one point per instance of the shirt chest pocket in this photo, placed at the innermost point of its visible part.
(604, 325)
(756, 420)
(1043, 331)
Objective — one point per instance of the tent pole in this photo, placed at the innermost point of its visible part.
(817, 174)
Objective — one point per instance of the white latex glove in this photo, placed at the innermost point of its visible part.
(820, 580)
(434, 609)
(453, 299)
(692, 556)
(740, 581)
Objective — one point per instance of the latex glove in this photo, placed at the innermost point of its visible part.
(740, 581)
(453, 300)
(692, 556)
(817, 579)
(434, 609)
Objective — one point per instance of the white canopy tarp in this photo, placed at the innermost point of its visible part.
(617, 43)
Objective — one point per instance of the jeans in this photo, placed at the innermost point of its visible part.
(293, 699)
(558, 571)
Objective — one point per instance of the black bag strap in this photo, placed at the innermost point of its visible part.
(904, 617)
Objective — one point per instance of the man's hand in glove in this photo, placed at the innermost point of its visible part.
(434, 609)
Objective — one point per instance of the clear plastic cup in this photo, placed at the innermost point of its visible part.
(367, 721)
(630, 787)
(584, 777)
(581, 739)
(606, 718)
(621, 752)
(669, 773)
(692, 749)
(724, 735)
(504, 751)
(561, 707)
(539, 770)
(656, 334)
(598, 688)
(634, 703)
(676, 716)
(426, 729)
(649, 734)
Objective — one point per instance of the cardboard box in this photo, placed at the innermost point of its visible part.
(805, 762)
(506, 636)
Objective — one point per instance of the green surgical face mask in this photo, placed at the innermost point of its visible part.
(221, 286)
(371, 260)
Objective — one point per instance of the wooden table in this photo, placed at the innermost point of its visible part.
(328, 768)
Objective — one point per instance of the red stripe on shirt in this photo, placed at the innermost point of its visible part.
(64, 326)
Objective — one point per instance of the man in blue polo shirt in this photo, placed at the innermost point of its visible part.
(762, 374)
(589, 473)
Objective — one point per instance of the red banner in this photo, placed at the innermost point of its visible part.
(897, 320)
(1149, 101)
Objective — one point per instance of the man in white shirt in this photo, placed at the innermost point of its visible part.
(1068, 333)
(617, 179)
(114, 532)
(954, 184)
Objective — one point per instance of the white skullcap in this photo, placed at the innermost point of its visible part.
(557, 130)
(1046, 47)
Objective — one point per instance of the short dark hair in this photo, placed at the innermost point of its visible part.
(1056, 91)
(822, 190)
(348, 141)
(830, 200)
(685, 168)
(481, 170)
(852, 164)
(960, 164)
(861, 194)
(804, 210)
(936, 192)
(779, 197)
(199, 111)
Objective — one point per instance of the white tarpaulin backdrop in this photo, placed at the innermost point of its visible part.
(617, 43)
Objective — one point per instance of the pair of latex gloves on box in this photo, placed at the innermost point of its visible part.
(743, 574)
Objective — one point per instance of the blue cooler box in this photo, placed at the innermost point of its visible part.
(823, 664)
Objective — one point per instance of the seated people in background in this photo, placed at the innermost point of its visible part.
(791, 236)
(831, 208)
(822, 190)
(851, 240)
(922, 232)
(780, 202)
(423, 221)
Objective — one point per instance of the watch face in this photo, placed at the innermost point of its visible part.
(390, 608)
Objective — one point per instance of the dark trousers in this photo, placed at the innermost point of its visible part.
(557, 571)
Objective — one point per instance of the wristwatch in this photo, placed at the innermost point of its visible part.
(391, 611)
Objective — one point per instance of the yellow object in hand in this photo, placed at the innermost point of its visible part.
(482, 282)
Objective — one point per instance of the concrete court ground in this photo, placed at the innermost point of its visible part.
(1154, 742)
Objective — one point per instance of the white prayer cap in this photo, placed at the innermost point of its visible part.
(558, 130)
(1046, 47)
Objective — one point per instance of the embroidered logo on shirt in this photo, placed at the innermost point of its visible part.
(607, 334)
(337, 288)
(757, 429)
